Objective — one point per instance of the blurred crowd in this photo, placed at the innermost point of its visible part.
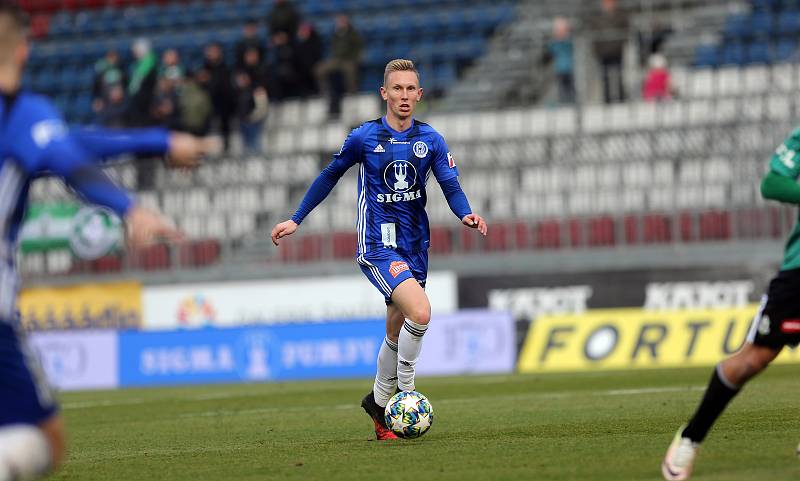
(231, 90)
(608, 35)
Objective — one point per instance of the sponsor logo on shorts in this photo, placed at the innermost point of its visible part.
(791, 326)
(396, 267)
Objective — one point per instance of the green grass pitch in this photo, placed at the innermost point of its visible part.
(586, 426)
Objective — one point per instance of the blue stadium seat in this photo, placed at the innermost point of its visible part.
(758, 52)
(788, 22)
(706, 56)
(761, 23)
(737, 26)
(785, 50)
(734, 54)
(766, 4)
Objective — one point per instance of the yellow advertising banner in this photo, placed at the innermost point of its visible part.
(633, 338)
(87, 306)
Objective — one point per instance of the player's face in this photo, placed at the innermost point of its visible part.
(401, 93)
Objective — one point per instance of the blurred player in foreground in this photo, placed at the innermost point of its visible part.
(34, 142)
(776, 324)
(395, 155)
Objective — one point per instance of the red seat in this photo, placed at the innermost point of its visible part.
(344, 245)
(107, 264)
(496, 240)
(601, 232)
(310, 248)
(199, 253)
(631, 226)
(657, 229)
(715, 225)
(151, 258)
(575, 227)
(441, 240)
(522, 235)
(687, 227)
(548, 235)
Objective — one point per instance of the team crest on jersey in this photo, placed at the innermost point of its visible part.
(400, 176)
(420, 149)
(396, 267)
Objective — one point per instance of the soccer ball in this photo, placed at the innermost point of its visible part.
(409, 414)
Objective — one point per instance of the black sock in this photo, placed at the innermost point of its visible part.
(717, 396)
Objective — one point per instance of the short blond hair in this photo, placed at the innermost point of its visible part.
(399, 65)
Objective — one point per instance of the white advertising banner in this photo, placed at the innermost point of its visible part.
(78, 359)
(279, 301)
(469, 342)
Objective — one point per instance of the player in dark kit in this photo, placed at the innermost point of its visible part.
(35, 142)
(776, 324)
(395, 154)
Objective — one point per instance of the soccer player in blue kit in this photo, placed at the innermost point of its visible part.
(395, 155)
(35, 142)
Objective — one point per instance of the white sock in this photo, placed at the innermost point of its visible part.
(386, 377)
(409, 344)
(24, 453)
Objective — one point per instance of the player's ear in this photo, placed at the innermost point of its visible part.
(419, 94)
(383, 93)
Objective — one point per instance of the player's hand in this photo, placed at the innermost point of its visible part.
(476, 222)
(282, 230)
(186, 151)
(145, 226)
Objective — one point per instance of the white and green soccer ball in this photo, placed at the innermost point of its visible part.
(409, 414)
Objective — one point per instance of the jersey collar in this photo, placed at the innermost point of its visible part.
(395, 132)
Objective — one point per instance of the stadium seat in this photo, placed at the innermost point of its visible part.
(707, 56)
(737, 26)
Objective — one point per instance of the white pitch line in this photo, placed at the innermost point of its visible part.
(510, 397)
(229, 395)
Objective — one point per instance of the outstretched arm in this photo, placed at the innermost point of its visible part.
(322, 186)
(105, 144)
(459, 204)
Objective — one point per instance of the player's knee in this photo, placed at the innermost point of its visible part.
(420, 315)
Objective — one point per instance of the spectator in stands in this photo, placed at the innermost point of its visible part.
(220, 90)
(657, 86)
(108, 74)
(251, 111)
(249, 40)
(308, 52)
(609, 31)
(283, 18)
(344, 60)
(254, 67)
(282, 67)
(165, 104)
(142, 84)
(170, 67)
(560, 49)
(195, 103)
(111, 111)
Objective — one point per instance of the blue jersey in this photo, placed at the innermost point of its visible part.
(34, 141)
(394, 168)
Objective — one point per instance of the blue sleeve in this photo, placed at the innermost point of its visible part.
(456, 198)
(349, 155)
(105, 144)
(442, 163)
(44, 145)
